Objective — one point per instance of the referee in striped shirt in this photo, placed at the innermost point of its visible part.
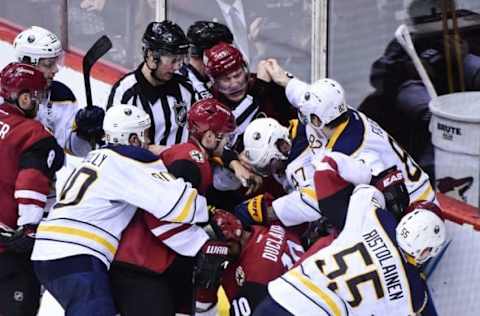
(154, 85)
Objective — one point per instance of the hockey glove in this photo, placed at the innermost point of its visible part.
(89, 122)
(392, 184)
(227, 227)
(254, 211)
(211, 262)
(20, 240)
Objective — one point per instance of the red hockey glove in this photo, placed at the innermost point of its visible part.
(227, 226)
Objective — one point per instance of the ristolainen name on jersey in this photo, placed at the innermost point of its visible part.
(389, 269)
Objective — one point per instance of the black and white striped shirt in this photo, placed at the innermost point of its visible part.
(200, 84)
(167, 104)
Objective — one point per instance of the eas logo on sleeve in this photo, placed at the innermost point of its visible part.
(197, 156)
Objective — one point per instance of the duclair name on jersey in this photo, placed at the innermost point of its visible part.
(272, 250)
(389, 269)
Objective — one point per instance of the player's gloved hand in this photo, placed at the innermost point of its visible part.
(392, 184)
(211, 262)
(20, 240)
(254, 211)
(89, 122)
(226, 226)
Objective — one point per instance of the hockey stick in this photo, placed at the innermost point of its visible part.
(98, 49)
(402, 34)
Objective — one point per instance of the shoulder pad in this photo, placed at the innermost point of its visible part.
(133, 152)
(59, 92)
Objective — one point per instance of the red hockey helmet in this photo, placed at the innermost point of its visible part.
(222, 59)
(17, 78)
(210, 114)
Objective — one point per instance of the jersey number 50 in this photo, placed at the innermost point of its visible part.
(76, 186)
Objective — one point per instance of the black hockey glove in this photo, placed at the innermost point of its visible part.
(392, 184)
(20, 240)
(211, 262)
(89, 123)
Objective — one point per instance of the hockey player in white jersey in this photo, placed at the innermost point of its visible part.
(72, 127)
(76, 243)
(203, 35)
(369, 265)
(271, 149)
(323, 108)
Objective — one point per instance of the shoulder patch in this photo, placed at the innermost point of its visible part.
(59, 92)
(240, 276)
(197, 156)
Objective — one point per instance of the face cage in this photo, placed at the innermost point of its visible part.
(276, 161)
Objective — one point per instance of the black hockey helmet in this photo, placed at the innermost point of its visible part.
(206, 34)
(166, 37)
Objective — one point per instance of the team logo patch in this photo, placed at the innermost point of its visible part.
(197, 156)
(240, 276)
(180, 109)
(18, 296)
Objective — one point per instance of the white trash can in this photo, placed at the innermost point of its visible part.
(455, 128)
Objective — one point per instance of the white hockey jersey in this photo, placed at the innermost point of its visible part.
(362, 266)
(57, 114)
(364, 140)
(100, 197)
(299, 205)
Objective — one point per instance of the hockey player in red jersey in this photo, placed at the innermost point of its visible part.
(266, 253)
(156, 258)
(248, 95)
(30, 156)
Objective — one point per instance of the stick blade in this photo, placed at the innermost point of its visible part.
(98, 49)
(402, 34)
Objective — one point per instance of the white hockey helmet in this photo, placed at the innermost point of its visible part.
(36, 43)
(325, 99)
(122, 120)
(420, 235)
(261, 142)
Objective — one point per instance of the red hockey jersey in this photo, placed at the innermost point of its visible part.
(30, 157)
(268, 253)
(153, 244)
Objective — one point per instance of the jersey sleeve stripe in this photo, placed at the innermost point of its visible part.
(325, 297)
(29, 194)
(309, 192)
(176, 203)
(78, 233)
(186, 209)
